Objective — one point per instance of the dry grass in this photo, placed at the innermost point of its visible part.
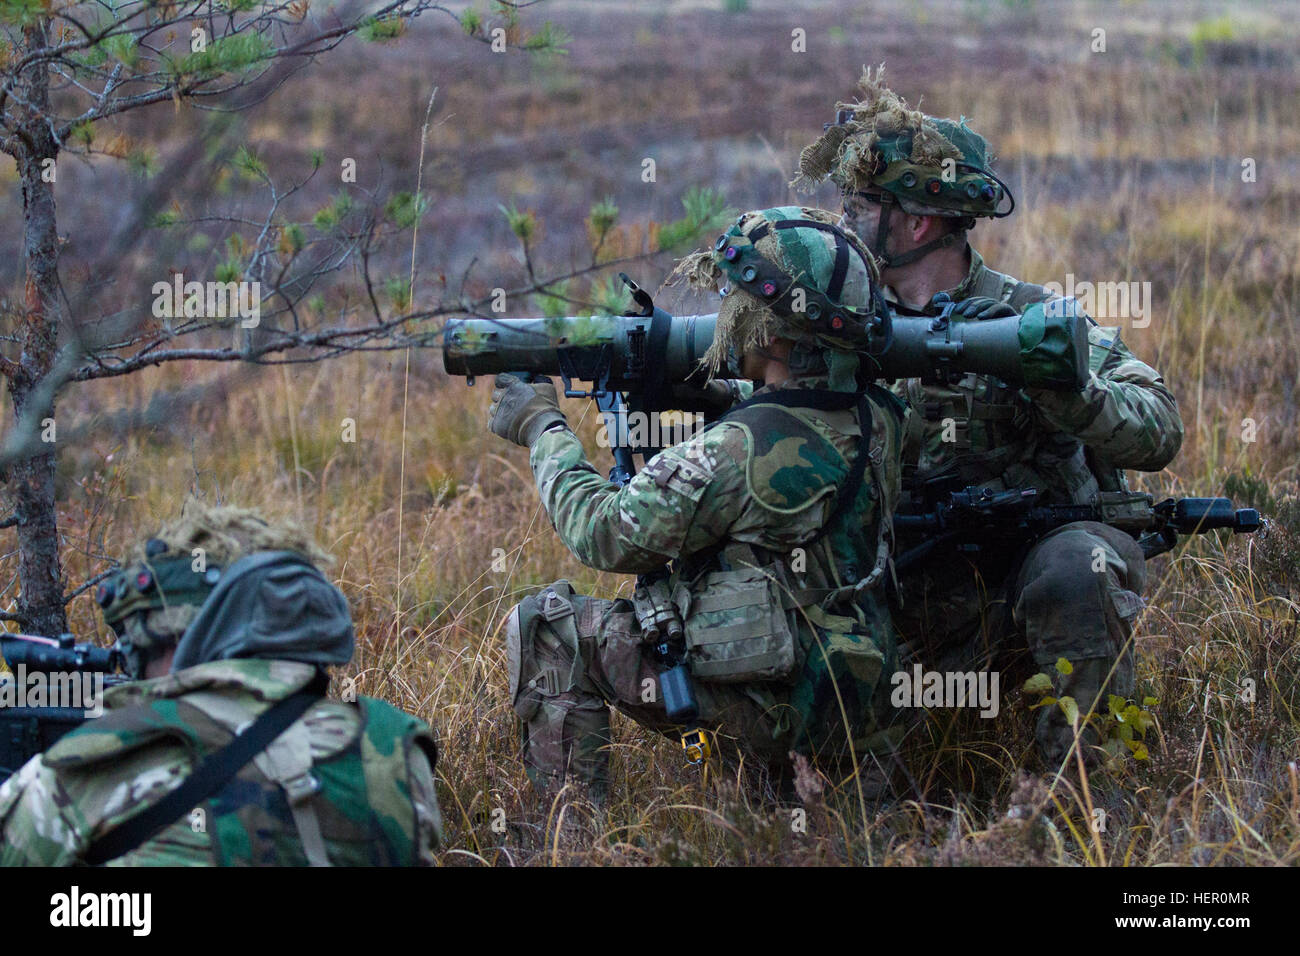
(1127, 170)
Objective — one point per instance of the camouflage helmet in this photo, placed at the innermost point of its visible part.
(158, 592)
(792, 272)
(929, 166)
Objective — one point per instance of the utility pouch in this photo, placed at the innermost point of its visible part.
(737, 628)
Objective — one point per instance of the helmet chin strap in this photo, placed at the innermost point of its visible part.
(886, 201)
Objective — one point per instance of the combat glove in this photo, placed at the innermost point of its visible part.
(982, 307)
(715, 397)
(521, 410)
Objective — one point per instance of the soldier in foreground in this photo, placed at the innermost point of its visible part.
(228, 626)
(913, 186)
(773, 522)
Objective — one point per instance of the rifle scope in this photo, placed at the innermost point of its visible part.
(60, 653)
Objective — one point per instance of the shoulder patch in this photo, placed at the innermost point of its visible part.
(675, 472)
(1103, 335)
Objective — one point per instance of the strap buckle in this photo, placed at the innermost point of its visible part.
(696, 745)
(301, 787)
(555, 606)
(547, 681)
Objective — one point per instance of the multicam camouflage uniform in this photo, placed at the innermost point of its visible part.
(738, 509)
(953, 613)
(345, 784)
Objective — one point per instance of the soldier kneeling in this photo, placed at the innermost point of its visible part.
(763, 537)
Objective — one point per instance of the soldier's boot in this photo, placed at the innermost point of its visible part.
(1073, 604)
(564, 721)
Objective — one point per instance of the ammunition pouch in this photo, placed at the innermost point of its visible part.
(737, 626)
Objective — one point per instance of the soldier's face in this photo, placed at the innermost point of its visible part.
(753, 365)
(862, 212)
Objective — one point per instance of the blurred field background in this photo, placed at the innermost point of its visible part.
(1127, 166)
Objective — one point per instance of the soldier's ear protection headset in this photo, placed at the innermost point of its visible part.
(821, 313)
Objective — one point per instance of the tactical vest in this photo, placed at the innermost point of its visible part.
(979, 428)
(809, 619)
(792, 468)
(754, 613)
(256, 821)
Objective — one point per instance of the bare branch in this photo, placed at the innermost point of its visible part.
(81, 589)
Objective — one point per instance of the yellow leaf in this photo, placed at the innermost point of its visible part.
(1038, 684)
(1149, 701)
(1139, 750)
(1064, 666)
(1069, 708)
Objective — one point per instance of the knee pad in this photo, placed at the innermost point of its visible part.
(514, 657)
(1068, 609)
(541, 648)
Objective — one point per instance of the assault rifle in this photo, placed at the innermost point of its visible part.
(43, 696)
(973, 517)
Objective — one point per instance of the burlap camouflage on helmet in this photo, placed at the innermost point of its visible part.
(153, 599)
(934, 166)
(790, 272)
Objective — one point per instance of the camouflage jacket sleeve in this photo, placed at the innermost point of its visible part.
(1125, 413)
(39, 824)
(684, 500)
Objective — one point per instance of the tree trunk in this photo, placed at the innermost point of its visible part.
(40, 578)
(31, 481)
